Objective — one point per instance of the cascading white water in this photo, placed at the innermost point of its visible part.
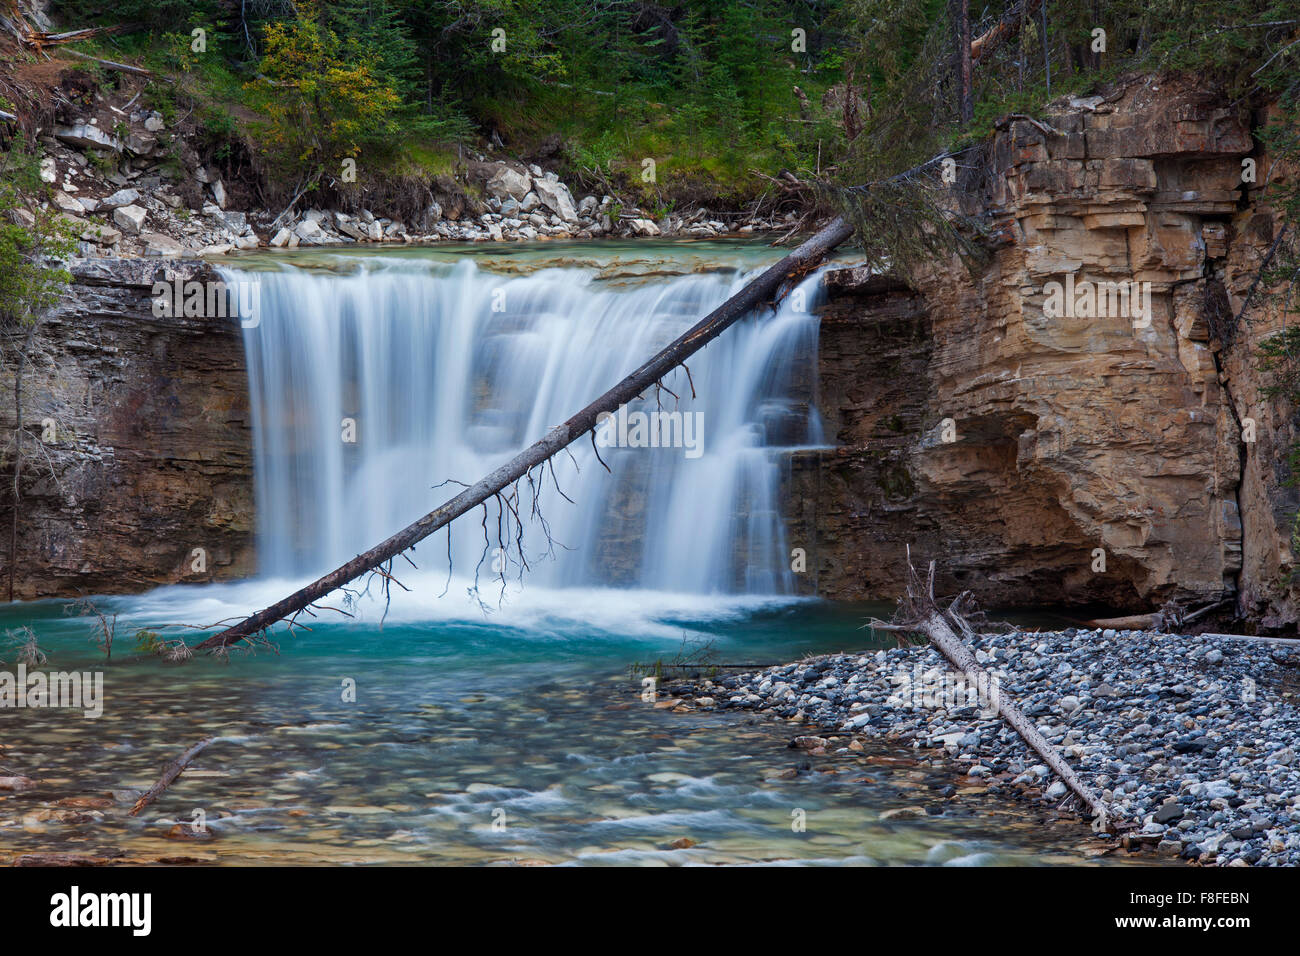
(446, 372)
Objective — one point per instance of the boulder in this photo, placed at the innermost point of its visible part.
(505, 182)
(93, 231)
(100, 233)
(281, 238)
(123, 197)
(156, 244)
(88, 136)
(349, 227)
(556, 197)
(219, 193)
(142, 144)
(309, 231)
(67, 203)
(643, 227)
(130, 219)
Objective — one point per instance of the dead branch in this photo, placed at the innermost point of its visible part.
(112, 65)
(172, 771)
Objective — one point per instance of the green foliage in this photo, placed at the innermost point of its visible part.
(324, 97)
(148, 642)
(31, 279)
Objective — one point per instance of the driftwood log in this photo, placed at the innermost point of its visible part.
(170, 773)
(949, 631)
(760, 290)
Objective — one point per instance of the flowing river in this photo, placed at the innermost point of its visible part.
(487, 713)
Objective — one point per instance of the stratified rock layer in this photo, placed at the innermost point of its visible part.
(1019, 448)
(138, 454)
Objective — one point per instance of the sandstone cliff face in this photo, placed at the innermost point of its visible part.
(137, 442)
(1072, 436)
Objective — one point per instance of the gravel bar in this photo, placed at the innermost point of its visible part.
(1190, 738)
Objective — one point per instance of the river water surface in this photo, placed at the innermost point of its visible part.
(497, 724)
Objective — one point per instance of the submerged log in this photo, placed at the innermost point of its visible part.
(796, 264)
(172, 771)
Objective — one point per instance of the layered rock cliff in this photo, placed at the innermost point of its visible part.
(137, 466)
(1077, 458)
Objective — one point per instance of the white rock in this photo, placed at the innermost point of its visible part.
(123, 197)
(87, 136)
(556, 197)
(246, 242)
(67, 203)
(219, 193)
(49, 170)
(281, 238)
(130, 219)
(644, 227)
(154, 122)
(506, 182)
(309, 231)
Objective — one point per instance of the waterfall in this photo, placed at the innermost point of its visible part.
(369, 388)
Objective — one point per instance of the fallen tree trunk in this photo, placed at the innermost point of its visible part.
(1140, 622)
(112, 65)
(942, 636)
(174, 770)
(802, 259)
(922, 614)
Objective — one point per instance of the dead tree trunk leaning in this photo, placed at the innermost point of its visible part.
(799, 261)
(919, 611)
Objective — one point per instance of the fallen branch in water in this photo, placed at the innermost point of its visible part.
(919, 611)
(173, 770)
(649, 375)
